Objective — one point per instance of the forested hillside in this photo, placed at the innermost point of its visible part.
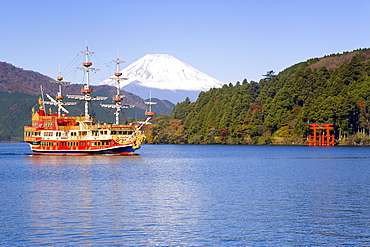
(16, 113)
(20, 89)
(14, 79)
(278, 108)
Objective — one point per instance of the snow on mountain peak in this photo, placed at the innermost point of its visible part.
(163, 71)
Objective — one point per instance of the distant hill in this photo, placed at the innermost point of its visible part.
(15, 113)
(20, 89)
(336, 60)
(330, 62)
(14, 79)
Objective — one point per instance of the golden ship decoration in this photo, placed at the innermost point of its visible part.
(61, 134)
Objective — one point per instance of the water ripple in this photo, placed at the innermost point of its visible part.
(188, 195)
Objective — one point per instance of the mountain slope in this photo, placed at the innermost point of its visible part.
(162, 71)
(14, 79)
(15, 113)
(19, 90)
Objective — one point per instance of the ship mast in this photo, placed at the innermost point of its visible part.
(118, 98)
(86, 90)
(150, 113)
(59, 102)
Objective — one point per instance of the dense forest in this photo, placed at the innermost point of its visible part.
(278, 108)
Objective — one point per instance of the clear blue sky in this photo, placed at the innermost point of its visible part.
(228, 40)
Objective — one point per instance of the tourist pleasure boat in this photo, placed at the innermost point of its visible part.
(61, 134)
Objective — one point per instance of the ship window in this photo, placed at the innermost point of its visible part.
(95, 133)
(104, 132)
(48, 133)
(63, 144)
(83, 144)
(96, 144)
(47, 144)
(83, 133)
(48, 124)
(113, 132)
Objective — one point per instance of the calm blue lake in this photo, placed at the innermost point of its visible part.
(187, 195)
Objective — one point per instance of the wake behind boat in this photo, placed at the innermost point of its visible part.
(61, 134)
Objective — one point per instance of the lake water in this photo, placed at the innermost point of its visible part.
(187, 195)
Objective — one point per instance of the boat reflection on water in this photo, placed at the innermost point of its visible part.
(111, 200)
(80, 160)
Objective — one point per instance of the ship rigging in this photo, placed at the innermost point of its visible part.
(61, 134)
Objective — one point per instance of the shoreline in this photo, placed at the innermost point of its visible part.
(339, 145)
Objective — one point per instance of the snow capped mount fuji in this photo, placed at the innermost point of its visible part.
(165, 72)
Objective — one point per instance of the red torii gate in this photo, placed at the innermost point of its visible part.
(325, 139)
